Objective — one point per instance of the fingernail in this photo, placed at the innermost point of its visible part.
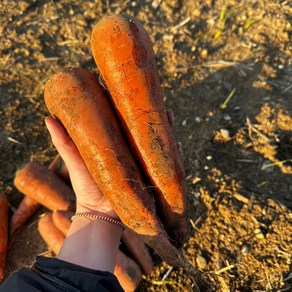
(47, 122)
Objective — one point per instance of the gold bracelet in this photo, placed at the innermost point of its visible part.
(100, 216)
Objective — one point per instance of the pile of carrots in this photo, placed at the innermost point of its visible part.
(122, 130)
(51, 187)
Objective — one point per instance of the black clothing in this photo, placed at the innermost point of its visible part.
(52, 274)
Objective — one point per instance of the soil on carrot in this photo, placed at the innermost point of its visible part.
(225, 67)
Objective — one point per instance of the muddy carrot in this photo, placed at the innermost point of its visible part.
(128, 272)
(138, 249)
(44, 186)
(3, 233)
(50, 233)
(76, 99)
(26, 209)
(124, 56)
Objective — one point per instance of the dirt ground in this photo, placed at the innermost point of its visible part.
(225, 67)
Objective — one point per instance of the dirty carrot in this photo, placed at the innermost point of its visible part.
(128, 272)
(50, 233)
(3, 233)
(44, 186)
(124, 56)
(75, 98)
(138, 249)
(26, 209)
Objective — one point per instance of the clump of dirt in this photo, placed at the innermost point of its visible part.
(225, 67)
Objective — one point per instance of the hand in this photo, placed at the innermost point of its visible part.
(89, 196)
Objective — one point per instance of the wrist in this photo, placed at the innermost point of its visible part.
(92, 243)
(80, 208)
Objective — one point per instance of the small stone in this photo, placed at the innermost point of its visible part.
(198, 119)
(201, 262)
(227, 118)
(204, 54)
(225, 133)
(209, 157)
(184, 122)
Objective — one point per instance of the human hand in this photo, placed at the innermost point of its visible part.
(89, 196)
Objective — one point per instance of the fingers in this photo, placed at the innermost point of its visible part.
(64, 144)
(170, 117)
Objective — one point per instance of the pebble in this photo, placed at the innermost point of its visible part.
(201, 262)
(204, 54)
(227, 118)
(198, 119)
(209, 157)
(184, 122)
(225, 133)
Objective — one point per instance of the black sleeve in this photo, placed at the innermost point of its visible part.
(52, 274)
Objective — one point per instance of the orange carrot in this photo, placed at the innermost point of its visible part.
(128, 272)
(75, 98)
(26, 209)
(3, 233)
(44, 186)
(138, 250)
(124, 56)
(50, 233)
(62, 220)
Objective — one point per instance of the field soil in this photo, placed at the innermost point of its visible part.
(225, 67)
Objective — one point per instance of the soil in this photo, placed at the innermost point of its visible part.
(225, 67)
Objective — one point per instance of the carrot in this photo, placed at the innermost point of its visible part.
(75, 98)
(50, 233)
(62, 220)
(26, 209)
(3, 233)
(128, 272)
(59, 168)
(44, 186)
(138, 250)
(124, 56)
